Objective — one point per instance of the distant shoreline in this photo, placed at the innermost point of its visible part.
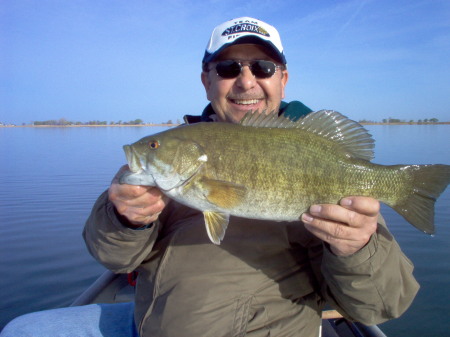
(172, 125)
(404, 123)
(85, 126)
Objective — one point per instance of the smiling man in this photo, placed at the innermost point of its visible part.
(233, 87)
(244, 68)
(266, 278)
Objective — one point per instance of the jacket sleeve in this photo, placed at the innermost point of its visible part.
(117, 247)
(372, 286)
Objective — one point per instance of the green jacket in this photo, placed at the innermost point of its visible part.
(266, 278)
(294, 110)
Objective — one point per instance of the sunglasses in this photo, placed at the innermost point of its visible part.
(232, 68)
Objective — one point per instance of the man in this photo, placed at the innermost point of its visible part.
(265, 278)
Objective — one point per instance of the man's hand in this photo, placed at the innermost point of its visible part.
(140, 205)
(346, 227)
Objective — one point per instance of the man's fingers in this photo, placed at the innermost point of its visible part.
(334, 213)
(328, 230)
(142, 210)
(125, 192)
(362, 205)
(352, 211)
(346, 227)
(138, 204)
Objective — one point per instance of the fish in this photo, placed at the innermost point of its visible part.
(273, 167)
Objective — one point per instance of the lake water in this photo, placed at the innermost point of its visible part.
(51, 177)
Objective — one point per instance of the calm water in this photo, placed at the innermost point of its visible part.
(50, 178)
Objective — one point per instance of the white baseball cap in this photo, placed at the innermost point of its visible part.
(243, 30)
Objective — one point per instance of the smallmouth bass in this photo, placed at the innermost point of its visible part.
(273, 168)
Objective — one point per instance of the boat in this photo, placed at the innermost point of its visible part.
(116, 288)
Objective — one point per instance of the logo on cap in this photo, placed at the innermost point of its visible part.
(245, 28)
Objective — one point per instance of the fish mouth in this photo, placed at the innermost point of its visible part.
(132, 159)
(137, 173)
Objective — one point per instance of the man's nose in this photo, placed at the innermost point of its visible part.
(246, 80)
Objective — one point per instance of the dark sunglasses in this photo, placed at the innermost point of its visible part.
(259, 68)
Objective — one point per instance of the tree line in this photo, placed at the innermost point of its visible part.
(138, 121)
(397, 120)
(65, 122)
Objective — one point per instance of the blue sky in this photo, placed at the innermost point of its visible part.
(120, 60)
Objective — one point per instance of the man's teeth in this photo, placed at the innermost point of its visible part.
(245, 101)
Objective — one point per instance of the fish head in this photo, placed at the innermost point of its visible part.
(165, 160)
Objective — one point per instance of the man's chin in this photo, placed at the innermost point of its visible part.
(236, 115)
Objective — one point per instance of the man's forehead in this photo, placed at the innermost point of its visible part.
(245, 52)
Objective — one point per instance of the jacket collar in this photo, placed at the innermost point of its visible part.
(294, 109)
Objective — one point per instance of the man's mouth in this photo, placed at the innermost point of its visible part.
(245, 101)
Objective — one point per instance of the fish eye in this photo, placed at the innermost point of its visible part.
(154, 144)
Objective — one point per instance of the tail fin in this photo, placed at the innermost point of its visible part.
(429, 181)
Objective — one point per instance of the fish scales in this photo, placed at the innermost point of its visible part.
(271, 177)
(279, 178)
(277, 172)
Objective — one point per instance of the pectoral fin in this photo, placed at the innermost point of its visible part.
(216, 225)
(224, 194)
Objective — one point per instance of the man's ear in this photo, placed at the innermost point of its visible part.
(205, 80)
(284, 80)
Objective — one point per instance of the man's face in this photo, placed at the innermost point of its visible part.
(232, 98)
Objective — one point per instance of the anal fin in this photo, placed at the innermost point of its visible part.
(216, 224)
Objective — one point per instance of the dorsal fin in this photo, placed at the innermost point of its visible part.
(326, 123)
(267, 120)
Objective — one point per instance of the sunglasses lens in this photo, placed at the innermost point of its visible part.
(231, 69)
(263, 69)
(228, 69)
